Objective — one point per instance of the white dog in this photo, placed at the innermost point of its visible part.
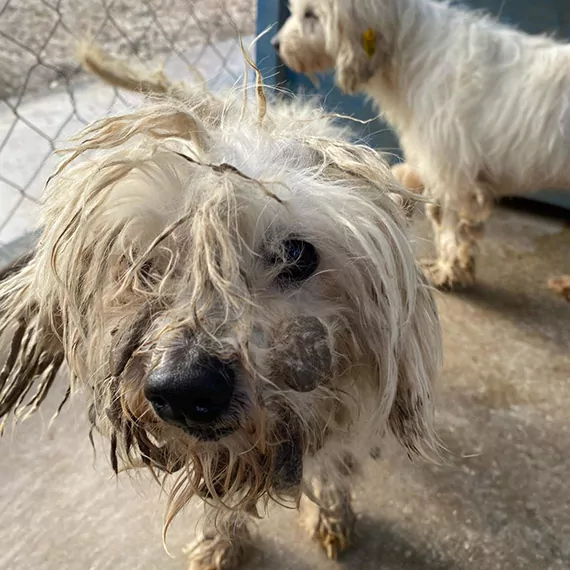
(482, 110)
(233, 287)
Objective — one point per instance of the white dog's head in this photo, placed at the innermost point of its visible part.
(232, 289)
(344, 35)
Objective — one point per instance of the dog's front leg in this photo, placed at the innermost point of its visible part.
(222, 545)
(456, 248)
(326, 506)
(456, 233)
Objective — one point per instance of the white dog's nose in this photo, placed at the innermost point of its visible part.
(275, 43)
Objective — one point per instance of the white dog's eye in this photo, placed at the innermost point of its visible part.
(310, 14)
(300, 260)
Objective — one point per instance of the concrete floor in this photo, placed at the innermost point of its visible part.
(502, 502)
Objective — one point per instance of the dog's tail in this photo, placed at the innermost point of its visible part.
(126, 75)
(118, 73)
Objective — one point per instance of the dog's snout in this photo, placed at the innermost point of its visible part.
(191, 394)
(275, 43)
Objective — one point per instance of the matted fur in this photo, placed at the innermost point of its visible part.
(161, 224)
(481, 109)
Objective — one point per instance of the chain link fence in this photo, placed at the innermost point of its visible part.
(45, 97)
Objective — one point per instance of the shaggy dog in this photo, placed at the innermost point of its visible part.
(481, 109)
(233, 288)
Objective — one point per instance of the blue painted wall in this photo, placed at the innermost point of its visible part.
(533, 16)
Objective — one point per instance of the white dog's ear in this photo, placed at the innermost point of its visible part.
(370, 166)
(411, 418)
(359, 49)
(35, 353)
(397, 293)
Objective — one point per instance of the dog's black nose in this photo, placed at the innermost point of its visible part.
(275, 43)
(188, 394)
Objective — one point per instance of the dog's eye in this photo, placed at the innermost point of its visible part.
(310, 14)
(300, 260)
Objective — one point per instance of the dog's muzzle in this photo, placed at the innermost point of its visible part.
(193, 394)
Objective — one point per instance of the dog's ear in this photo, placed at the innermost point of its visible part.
(370, 167)
(359, 49)
(34, 352)
(411, 418)
(397, 310)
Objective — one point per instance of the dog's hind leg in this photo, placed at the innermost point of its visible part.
(326, 504)
(408, 177)
(457, 231)
(222, 545)
(456, 247)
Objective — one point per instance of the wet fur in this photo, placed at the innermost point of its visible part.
(156, 230)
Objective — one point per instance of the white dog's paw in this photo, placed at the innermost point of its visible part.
(215, 551)
(330, 523)
(448, 276)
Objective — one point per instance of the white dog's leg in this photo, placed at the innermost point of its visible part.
(221, 546)
(456, 237)
(408, 177)
(326, 505)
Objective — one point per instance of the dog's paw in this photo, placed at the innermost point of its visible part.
(215, 551)
(561, 286)
(447, 276)
(332, 524)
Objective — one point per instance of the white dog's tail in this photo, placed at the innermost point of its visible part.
(118, 73)
(127, 75)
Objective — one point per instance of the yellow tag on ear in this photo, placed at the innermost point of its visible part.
(369, 41)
